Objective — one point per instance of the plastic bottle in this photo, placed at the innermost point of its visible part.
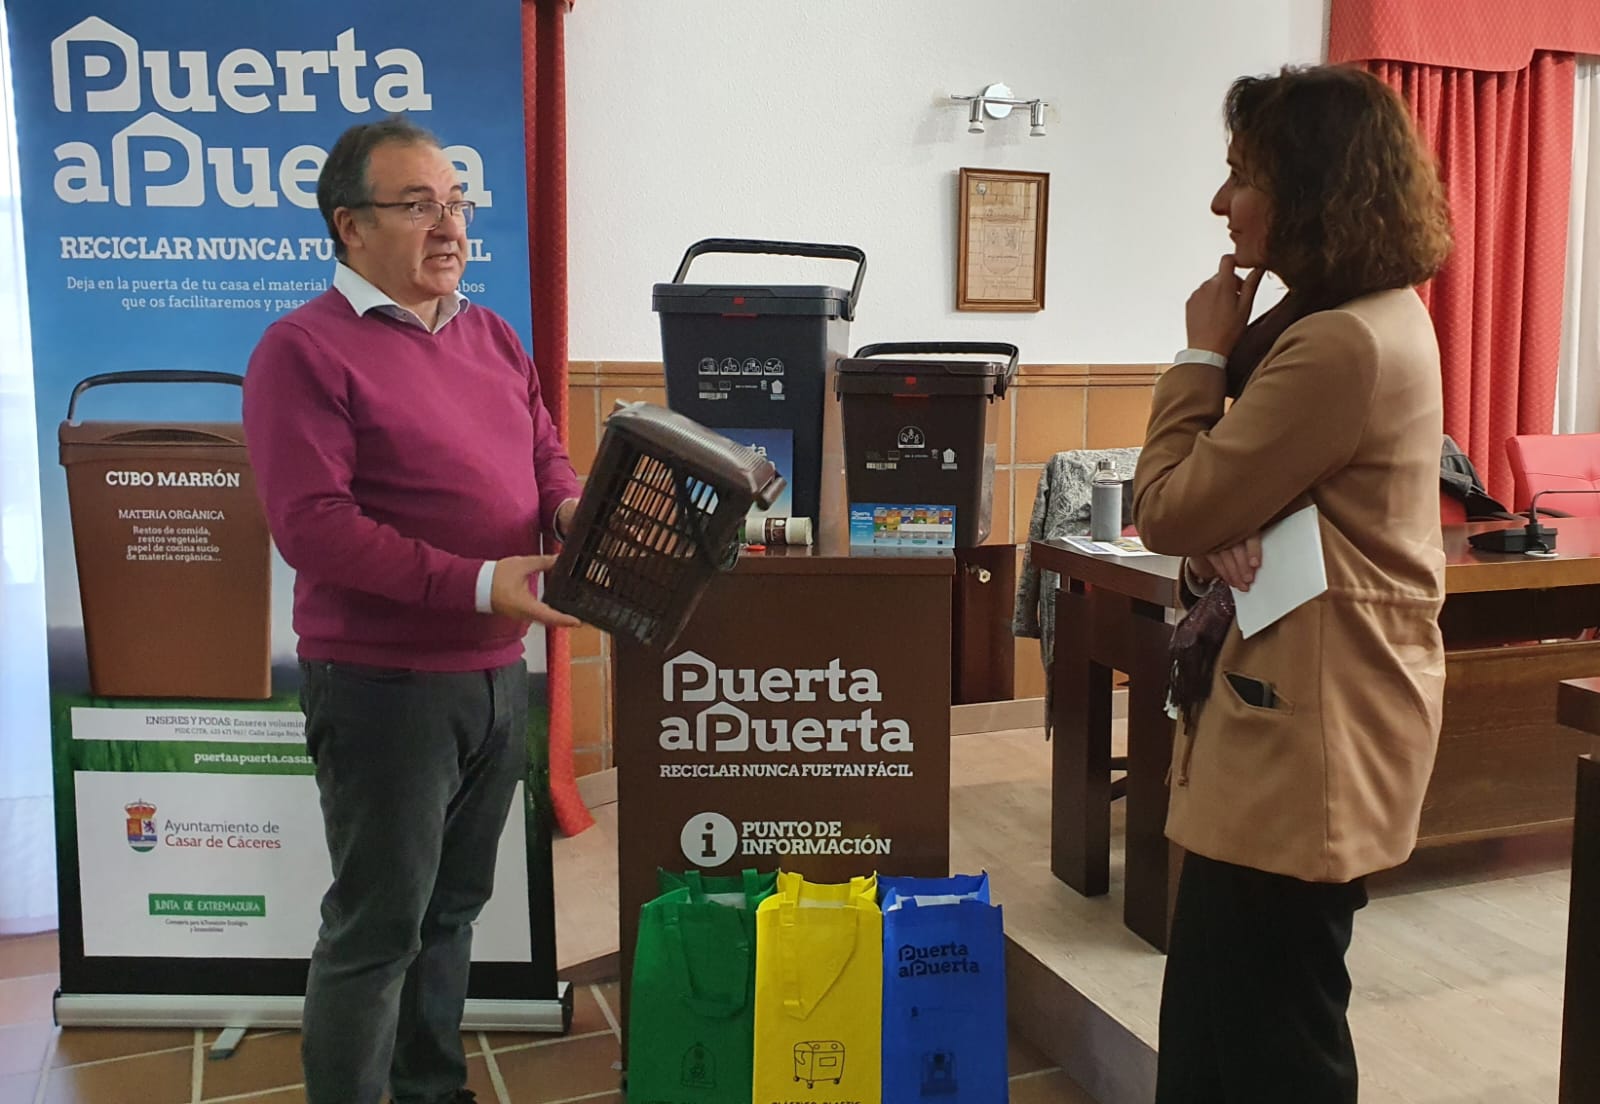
(1105, 503)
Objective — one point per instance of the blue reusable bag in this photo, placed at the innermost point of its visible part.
(944, 991)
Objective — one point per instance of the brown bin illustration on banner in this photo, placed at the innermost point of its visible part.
(174, 560)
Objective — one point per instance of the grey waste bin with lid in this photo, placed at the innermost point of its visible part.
(752, 360)
(921, 424)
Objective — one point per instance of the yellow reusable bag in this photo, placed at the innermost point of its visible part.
(819, 994)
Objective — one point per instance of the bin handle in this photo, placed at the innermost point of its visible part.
(788, 249)
(1000, 348)
(993, 348)
(154, 375)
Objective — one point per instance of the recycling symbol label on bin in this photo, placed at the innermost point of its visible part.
(911, 437)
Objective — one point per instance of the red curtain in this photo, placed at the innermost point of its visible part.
(544, 120)
(1486, 35)
(1504, 143)
(1491, 85)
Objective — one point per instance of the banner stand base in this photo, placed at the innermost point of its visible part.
(220, 1010)
(227, 1041)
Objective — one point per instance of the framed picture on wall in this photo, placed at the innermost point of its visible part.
(1001, 230)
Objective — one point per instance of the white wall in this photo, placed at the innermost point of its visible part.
(827, 120)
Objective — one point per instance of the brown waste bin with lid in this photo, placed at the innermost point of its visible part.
(174, 559)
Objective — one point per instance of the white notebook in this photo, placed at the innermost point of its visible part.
(1291, 572)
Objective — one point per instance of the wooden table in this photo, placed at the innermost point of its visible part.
(1112, 613)
(1504, 764)
(1578, 705)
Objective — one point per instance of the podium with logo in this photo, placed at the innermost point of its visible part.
(800, 722)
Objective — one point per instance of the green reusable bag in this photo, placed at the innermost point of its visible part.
(691, 1021)
(747, 888)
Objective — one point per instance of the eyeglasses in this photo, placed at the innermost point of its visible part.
(430, 212)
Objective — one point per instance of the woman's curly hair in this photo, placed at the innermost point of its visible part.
(1357, 206)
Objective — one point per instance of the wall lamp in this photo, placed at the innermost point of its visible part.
(996, 102)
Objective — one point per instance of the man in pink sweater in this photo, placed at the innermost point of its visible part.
(408, 466)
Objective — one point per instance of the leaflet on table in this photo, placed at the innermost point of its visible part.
(1122, 546)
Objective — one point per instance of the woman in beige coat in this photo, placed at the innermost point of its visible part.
(1305, 750)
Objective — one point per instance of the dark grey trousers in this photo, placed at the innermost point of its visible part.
(416, 771)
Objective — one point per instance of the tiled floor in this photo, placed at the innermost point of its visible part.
(43, 1064)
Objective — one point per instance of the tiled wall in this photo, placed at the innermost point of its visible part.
(1052, 407)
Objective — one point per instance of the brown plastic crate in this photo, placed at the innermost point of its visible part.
(659, 517)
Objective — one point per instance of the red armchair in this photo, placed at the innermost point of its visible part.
(1556, 461)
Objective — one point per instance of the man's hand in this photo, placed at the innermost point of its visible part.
(514, 591)
(1219, 309)
(561, 525)
(1235, 566)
